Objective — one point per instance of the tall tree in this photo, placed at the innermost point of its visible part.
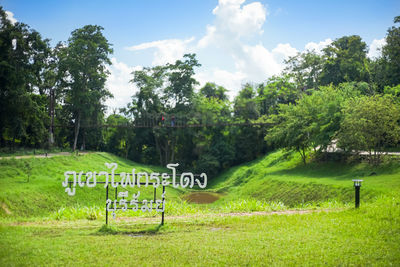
(164, 90)
(246, 109)
(277, 90)
(370, 123)
(23, 56)
(313, 121)
(306, 68)
(84, 61)
(212, 90)
(346, 61)
(391, 56)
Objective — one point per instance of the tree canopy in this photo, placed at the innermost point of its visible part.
(338, 95)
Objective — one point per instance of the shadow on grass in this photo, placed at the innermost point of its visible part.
(110, 230)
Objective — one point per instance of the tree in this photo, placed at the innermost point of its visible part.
(277, 90)
(245, 103)
(213, 149)
(118, 139)
(83, 61)
(23, 57)
(306, 68)
(248, 141)
(394, 91)
(212, 90)
(346, 61)
(290, 130)
(147, 102)
(313, 121)
(370, 123)
(165, 90)
(390, 62)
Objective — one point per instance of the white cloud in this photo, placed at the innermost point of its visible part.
(208, 38)
(283, 51)
(260, 63)
(119, 85)
(252, 64)
(10, 17)
(235, 25)
(375, 48)
(234, 21)
(167, 51)
(317, 47)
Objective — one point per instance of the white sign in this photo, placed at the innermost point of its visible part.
(132, 180)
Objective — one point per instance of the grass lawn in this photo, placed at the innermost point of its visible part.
(41, 225)
(368, 236)
(31, 187)
(282, 177)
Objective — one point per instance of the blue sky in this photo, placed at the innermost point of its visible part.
(236, 41)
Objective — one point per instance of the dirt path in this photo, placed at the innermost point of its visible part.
(156, 219)
(49, 155)
(230, 214)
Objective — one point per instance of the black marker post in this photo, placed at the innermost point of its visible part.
(357, 185)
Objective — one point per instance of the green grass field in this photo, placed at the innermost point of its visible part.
(282, 177)
(368, 236)
(41, 225)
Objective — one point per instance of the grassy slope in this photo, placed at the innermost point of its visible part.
(282, 177)
(44, 193)
(367, 236)
(275, 177)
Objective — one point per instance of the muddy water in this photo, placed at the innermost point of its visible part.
(201, 197)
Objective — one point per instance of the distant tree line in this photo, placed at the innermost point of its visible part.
(339, 95)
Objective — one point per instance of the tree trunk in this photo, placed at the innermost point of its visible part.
(83, 140)
(159, 149)
(126, 149)
(51, 127)
(77, 126)
(51, 138)
(173, 150)
(166, 153)
(303, 155)
(370, 157)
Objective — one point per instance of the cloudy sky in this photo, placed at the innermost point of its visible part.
(236, 41)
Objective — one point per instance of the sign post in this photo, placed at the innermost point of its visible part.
(132, 180)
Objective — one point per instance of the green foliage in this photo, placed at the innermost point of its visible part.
(394, 91)
(163, 90)
(370, 124)
(277, 90)
(181, 83)
(346, 61)
(304, 114)
(23, 57)
(311, 122)
(306, 69)
(118, 140)
(317, 119)
(210, 90)
(391, 56)
(245, 104)
(83, 65)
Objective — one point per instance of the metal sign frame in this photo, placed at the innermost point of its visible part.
(116, 194)
(155, 195)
